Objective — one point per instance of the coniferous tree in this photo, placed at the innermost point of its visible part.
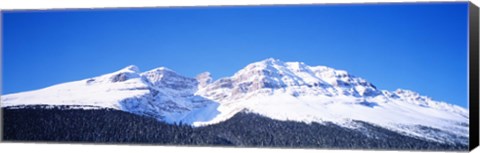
(244, 129)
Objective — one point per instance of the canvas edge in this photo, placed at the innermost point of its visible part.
(473, 76)
(473, 44)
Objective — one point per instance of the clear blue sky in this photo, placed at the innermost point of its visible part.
(421, 47)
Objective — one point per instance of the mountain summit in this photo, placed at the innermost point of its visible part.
(272, 76)
(278, 90)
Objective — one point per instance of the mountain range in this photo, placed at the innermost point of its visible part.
(274, 89)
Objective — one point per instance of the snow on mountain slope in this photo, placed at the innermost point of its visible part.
(294, 78)
(295, 91)
(275, 89)
(105, 91)
(160, 93)
(172, 96)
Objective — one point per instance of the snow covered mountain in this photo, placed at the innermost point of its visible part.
(159, 93)
(272, 88)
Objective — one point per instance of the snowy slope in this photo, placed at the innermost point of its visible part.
(159, 93)
(275, 89)
(105, 91)
(296, 91)
(173, 97)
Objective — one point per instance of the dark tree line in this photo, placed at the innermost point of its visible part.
(244, 129)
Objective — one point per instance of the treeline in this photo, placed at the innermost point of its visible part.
(244, 129)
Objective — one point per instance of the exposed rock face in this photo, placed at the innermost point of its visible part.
(296, 78)
(165, 78)
(204, 79)
(124, 74)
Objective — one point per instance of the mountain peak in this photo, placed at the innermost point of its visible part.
(162, 68)
(278, 65)
(411, 95)
(270, 59)
(158, 73)
(124, 74)
(296, 78)
(267, 62)
(204, 79)
(405, 92)
(130, 68)
(163, 77)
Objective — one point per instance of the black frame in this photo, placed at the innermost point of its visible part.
(474, 77)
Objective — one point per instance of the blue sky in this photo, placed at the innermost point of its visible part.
(419, 46)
